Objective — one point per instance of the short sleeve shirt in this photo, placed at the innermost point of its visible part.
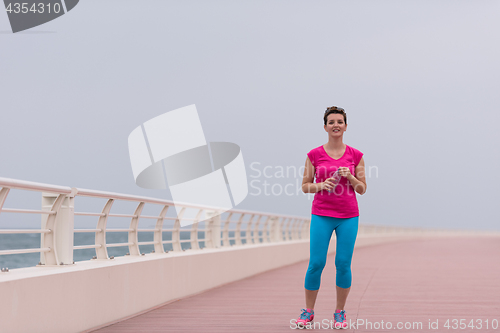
(341, 202)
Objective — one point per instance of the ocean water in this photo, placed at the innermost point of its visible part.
(27, 241)
(22, 199)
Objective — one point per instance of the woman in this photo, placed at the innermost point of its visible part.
(334, 208)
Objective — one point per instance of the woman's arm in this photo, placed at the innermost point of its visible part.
(358, 182)
(307, 182)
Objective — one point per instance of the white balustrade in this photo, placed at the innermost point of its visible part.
(239, 228)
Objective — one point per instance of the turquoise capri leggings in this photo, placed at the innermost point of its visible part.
(321, 230)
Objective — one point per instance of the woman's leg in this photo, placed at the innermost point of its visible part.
(321, 230)
(342, 297)
(346, 237)
(311, 298)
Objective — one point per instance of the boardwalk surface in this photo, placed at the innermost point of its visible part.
(418, 281)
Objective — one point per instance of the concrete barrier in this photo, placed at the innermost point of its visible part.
(91, 294)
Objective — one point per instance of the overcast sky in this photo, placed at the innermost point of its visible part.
(419, 81)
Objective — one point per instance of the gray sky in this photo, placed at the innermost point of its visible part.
(419, 81)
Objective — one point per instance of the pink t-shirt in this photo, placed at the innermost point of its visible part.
(341, 202)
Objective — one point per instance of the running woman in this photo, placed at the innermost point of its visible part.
(334, 208)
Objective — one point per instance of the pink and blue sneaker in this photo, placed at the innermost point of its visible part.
(305, 318)
(340, 319)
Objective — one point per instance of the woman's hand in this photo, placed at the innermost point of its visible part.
(359, 185)
(345, 172)
(328, 184)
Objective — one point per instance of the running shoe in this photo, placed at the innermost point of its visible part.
(340, 319)
(306, 317)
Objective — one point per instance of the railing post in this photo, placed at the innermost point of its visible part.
(133, 236)
(256, 236)
(213, 228)
(63, 230)
(225, 233)
(158, 234)
(176, 233)
(276, 233)
(304, 229)
(195, 244)
(295, 229)
(286, 228)
(100, 236)
(265, 231)
(237, 232)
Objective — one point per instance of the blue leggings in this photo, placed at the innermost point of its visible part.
(321, 231)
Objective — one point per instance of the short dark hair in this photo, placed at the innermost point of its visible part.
(334, 109)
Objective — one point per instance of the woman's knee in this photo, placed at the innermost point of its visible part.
(316, 265)
(343, 264)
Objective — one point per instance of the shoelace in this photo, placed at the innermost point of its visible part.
(339, 317)
(305, 314)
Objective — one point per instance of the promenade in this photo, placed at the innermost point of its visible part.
(417, 281)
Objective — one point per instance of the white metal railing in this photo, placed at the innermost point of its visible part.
(57, 224)
(57, 227)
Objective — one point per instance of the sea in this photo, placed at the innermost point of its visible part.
(29, 241)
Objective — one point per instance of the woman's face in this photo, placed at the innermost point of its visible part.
(335, 125)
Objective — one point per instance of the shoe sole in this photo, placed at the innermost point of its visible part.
(302, 326)
(340, 328)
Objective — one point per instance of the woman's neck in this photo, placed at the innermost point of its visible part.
(335, 144)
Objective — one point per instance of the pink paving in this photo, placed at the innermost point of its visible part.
(435, 279)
